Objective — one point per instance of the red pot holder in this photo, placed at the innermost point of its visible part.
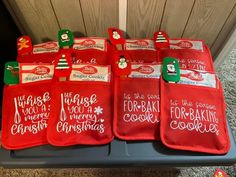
(193, 118)
(25, 115)
(136, 106)
(80, 113)
(192, 54)
(141, 50)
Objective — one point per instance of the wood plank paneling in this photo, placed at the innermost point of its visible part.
(69, 16)
(37, 18)
(207, 19)
(223, 34)
(175, 17)
(99, 15)
(144, 17)
(14, 17)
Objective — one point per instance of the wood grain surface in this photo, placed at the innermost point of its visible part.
(37, 18)
(69, 16)
(229, 26)
(99, 15)
(144, 17)
(175, 17)
(210, 20)
(207, 19)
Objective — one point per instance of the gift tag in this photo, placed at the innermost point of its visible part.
(24, 45)
(170, 70)
(63, 66)
(35, 72)
(83, 72)
(65, 38)
(161, 40)
(11, 73)
(122, 64)
(145, 71)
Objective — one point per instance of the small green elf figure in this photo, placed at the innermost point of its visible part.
(66, 38)
(122, 63)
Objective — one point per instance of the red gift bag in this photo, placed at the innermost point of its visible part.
(193, 118)
(80, 113)
(25, 114)
(136, 108)
(191, 54)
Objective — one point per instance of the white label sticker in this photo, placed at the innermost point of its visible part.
(145, 71)
(186, 44)
(90, 43)
(46, 47)
(83, 72)
(140, 44)
(191, 77)
(33, 73)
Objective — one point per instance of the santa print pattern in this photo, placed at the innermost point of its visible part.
(194, 119)
(26, 125)
(136, 109)
(80, 114)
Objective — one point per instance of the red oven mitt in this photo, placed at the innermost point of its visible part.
(26, 109)
(193, 118)
(80, 113)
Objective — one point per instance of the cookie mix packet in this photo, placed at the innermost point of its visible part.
(198, 78)
(35, 72)
(145, 71)
(88, 72)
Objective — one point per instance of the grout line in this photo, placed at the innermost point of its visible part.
(55, 14)
(188, 19)
(223, 26)
(82, 13)
(123, 15)
(163, 13)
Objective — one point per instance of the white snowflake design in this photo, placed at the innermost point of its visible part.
(98, 110)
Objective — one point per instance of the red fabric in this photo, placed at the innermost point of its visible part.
(193, 118)
(142, 55)
(84, 116)
(190, 58)
(136, 109)
(28, 128)
(79, 56)
(116, 36)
